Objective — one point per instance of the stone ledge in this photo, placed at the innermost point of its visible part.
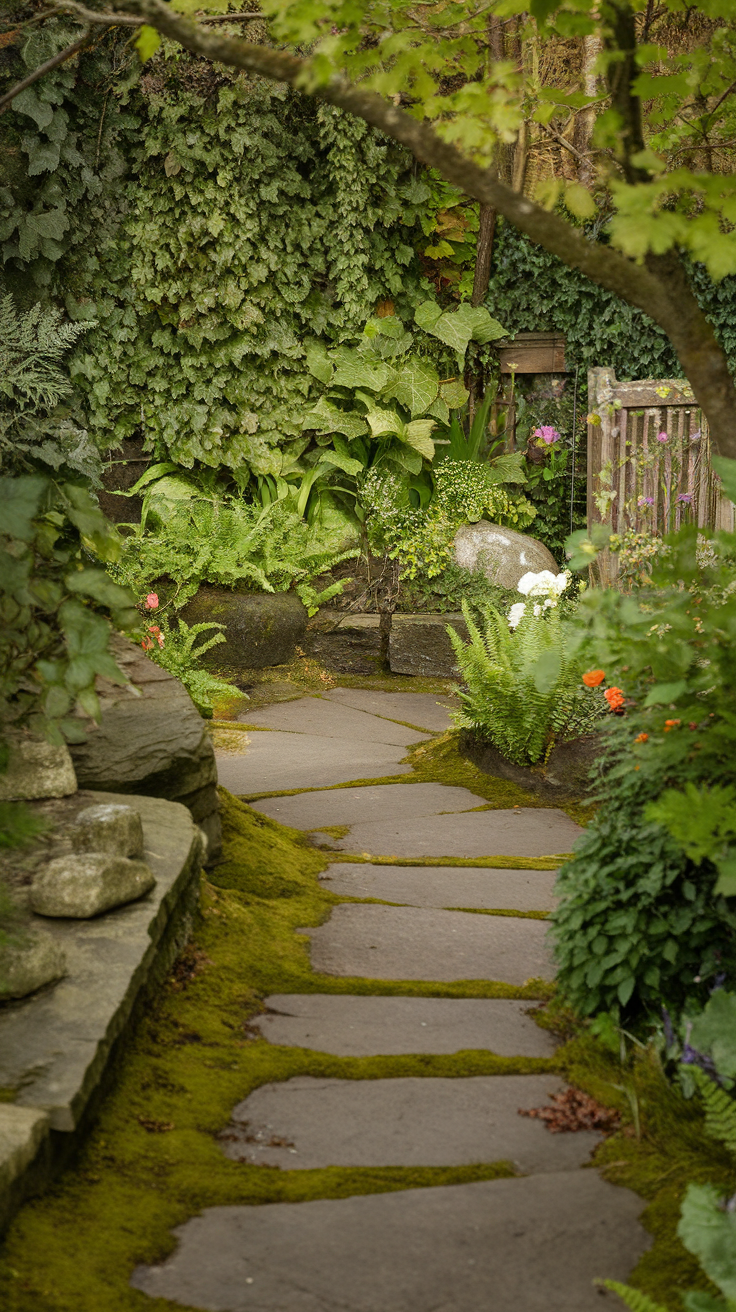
(57, 1046)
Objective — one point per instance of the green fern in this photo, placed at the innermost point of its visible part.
(720, 1110)
(32, 346)
(633, 1298)
(178, 654)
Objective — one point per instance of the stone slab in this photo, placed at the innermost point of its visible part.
(348, 806)
(422, 709)
(55, 1046)
(24, 1133)
(420, 645)
(306, 1123)
(528, 831)
(350, 1026)
(272, 761)
(524, 1245)
(445, 886)
(379, 942)
(315, 715)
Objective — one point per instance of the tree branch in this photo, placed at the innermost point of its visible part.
(42, 69)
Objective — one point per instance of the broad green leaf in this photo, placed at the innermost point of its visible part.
(726, 883)
(319, 363)
(147, 42)
(153, 472)
(416, 385)
(664, 693)
(97, 584)
(726, 471)
(427, 314)
(714, 1031)
(579, 201)
(418, 435)
(454, 393)
(509, 468)
(709, 1231)
(327, 418)
(440, 409)
(353, 370)
(384, 421)
(19, 502)
(341, 461)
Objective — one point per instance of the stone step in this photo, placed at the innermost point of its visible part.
(350, 806)
(269, 762)
(523, 1245)
(305, 1123)
(350, 1026)
(445, 886)
(422, 709)
(315, 715)
(379, 942)
(526, 831)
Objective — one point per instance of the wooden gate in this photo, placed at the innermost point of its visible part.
(649, 457)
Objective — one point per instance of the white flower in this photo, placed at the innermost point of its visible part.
(516, 613)
(544, 584)
(538, 609)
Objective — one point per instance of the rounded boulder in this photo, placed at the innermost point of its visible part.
(502, 554)
(260, 628)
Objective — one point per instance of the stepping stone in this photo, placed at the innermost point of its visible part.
(524, 1245)
(350, 1026)
(314, 715)
(379, 942)
(272, 761)
(306, 1123)
(528, 831)
(445, 886)
(349, 806)
(422, 709)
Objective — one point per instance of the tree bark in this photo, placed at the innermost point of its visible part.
(484, 254)
(659, 287)
(585, 120)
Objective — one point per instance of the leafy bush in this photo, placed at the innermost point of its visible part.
(189, 537)
(523, 689)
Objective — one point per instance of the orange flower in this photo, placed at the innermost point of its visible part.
(593, 678)
(671, 724)
(641, 738)
(614, 697)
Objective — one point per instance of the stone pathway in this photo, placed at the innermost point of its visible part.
(534, 1243)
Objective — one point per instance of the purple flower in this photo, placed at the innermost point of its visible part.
(547, 434)
(645, 501)
(686, 498)
(663, 437)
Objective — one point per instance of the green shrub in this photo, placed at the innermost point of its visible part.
(174, 650)
(523, 689)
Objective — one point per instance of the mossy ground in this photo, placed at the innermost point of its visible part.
(153, 1159)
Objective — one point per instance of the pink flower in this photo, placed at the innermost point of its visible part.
(547, 433)
(663, 437)
(151, 601)
(645, 501)
(685, 498)
(158, 635)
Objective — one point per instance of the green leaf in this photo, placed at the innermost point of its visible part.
(341, 461)
(579, 201)
(147, 42)
(454, 393)
(97, 584)
(383, 422)
(325, 417)
(416, 385)
(353, 370)
(726, 471)
(427, 314)
(726, 882)
(546, 670)
(709, 1231)
(417, 434)
(318, 362)
(664, 693)
(19, 502)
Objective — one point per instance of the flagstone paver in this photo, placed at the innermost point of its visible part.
(528, 1245)
(445, 886)
(534, 1243)
(357, 1026)
(304, 1123)
(350, 806)
(528, 831)
(418, 943)
(422, 709)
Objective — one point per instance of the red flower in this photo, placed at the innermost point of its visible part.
(593, 678)
(158, 635)
(671, 724)
(615, 698)
(641, 738)
(151, 602)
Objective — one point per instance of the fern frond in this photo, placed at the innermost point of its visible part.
(633, 1298)
(720, 1110)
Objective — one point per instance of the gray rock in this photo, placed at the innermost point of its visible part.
(348, 806)
(151, 741)
(349, 1026)
(23, 1131)
(29, 963)
(445, 886)
(502, 554)
(115, 830)
(269, 762)
(422, 709)
(329, 719)
(527, 1245)
(56, 1047)
(87, 884)
(414, 1121)
(261, 628)
(419, 645)
(37, 769)
(379, 942)
(527, 832)
(566, 772)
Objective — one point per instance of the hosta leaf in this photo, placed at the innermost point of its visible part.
(383, 422)
(417, 434)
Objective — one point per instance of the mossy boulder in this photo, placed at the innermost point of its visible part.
(565, 774)
(261, 628)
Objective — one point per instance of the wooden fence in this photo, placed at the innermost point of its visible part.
(649, 457)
